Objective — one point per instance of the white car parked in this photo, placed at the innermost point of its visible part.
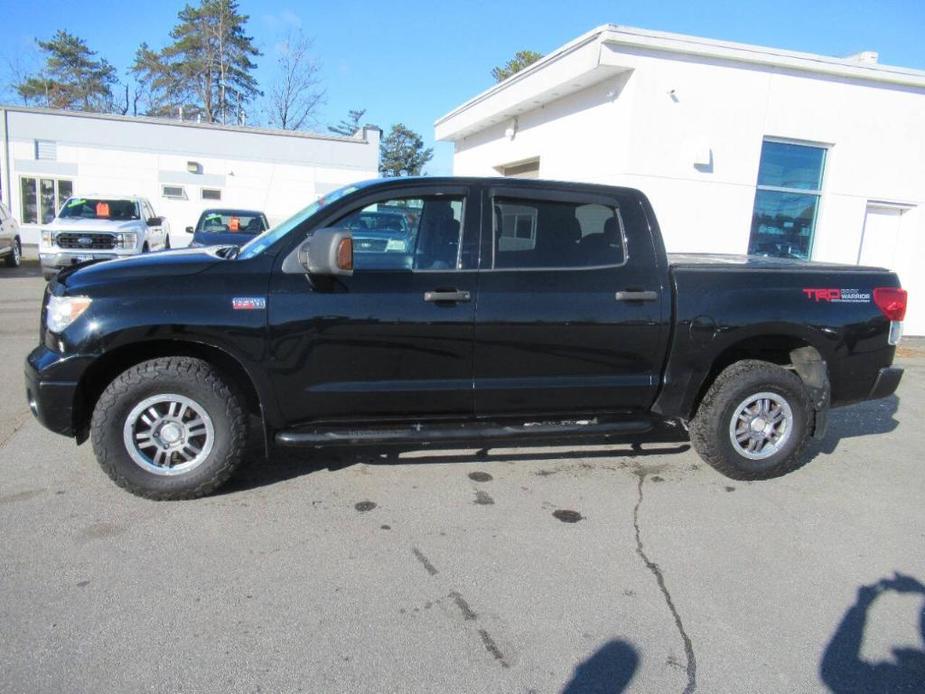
(89, 227)
(10, 243)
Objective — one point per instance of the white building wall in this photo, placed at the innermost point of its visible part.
(688, 132)
(273, 171)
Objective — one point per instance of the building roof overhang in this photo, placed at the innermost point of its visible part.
(601, 53)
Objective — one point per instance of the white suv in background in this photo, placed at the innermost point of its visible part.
(89, 227)
(10, 243)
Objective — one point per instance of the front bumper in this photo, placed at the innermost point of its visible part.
(52, 389)
(63, 259)
(887, 381)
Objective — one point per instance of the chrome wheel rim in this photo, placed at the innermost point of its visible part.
(17, 253)
(168, 434)
(761, 425)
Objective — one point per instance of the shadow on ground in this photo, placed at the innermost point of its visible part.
(844, 670)
(608, 670)
(29, 268)
(864, 419)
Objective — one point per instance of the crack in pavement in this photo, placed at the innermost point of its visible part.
(20, 423)
(468, 614)
(660, 579)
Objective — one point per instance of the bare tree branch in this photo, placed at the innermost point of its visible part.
(296, 92)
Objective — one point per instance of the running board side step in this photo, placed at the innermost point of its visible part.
(463, 432)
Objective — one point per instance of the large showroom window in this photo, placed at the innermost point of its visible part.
(41, 198)
(787, 199)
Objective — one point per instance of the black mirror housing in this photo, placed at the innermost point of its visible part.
(190, 230)
(155, 221)
(328, 252)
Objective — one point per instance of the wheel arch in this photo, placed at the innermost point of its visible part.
(789, 346)
(113, 362)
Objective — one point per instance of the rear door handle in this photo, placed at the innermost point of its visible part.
(627, 295)
(451, 295)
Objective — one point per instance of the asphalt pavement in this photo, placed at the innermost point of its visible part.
(553, 569)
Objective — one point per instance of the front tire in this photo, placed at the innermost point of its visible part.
(14, 258)
(169, 428)
(753, 422)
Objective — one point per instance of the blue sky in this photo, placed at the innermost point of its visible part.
(414, 61)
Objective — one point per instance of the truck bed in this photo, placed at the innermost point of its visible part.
(720, 261)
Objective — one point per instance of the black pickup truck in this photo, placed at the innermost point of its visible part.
(501, 311)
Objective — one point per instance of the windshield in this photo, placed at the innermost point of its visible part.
(258, 245)
(230, 222)
(99, 208)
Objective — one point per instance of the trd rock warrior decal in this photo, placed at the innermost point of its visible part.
(839, 296)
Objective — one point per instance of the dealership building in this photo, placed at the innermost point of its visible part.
(740, 148)
(182, 167)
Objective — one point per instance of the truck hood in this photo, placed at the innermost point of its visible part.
(184, 261)
(79, 225)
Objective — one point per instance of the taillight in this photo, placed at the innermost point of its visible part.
(891, 301)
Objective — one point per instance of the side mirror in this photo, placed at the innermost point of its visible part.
(155, 221)
(190, 230)
(328, 252)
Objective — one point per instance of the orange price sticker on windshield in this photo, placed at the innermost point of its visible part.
(102, 209)
(234, 224)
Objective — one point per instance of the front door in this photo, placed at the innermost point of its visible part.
(572, 312)
(394, 341)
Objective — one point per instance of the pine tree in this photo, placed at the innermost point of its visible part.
(207, 69)
(402, 152)
(72, 78)
(349, 125)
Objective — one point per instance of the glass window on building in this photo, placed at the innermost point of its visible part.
(41, 198)
(787, 200)
(29, 212)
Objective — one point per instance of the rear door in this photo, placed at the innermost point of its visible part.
(572, 315)
(393, 341)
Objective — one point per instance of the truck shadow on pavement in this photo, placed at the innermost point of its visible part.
(608, 671)
(844, 670)
(864, 419)
(286, 464)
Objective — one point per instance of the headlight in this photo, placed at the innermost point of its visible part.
(126, 239)
(64, 310)
(48, 237)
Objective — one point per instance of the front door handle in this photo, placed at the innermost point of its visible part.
(628, 295)
(449, 295)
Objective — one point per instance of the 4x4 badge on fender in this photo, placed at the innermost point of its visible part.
(248, 303)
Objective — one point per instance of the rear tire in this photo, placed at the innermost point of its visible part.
(169, 428)
(14, 258)
(167, 243)
(753, 422)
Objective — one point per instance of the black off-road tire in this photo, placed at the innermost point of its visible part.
(14, 257)
(185, 376)
(709, 429)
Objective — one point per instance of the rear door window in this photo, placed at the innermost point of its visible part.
(530, 234)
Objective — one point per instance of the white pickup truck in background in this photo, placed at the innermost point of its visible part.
(89, 227)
